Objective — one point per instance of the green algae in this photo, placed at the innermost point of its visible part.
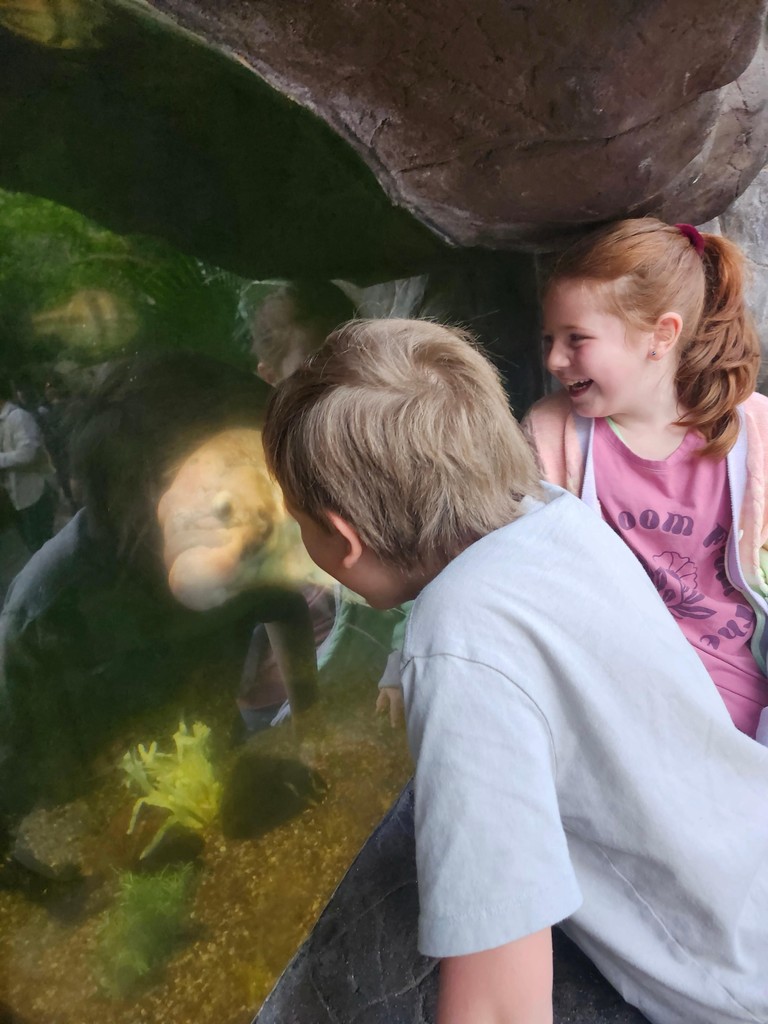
(143, 928)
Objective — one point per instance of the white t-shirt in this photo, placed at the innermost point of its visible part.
(574, 760)
(24, 464)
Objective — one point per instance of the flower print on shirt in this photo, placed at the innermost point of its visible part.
(732, 628)
(676, 581)
(675, 514)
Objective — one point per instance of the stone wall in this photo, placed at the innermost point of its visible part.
(746, 223)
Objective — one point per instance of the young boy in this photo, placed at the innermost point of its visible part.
(574, 762)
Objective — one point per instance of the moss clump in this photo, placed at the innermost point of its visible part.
(183, 783)
(143, 928)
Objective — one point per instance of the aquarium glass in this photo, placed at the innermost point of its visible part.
(169, 831)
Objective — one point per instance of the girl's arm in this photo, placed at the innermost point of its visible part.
(511, 984)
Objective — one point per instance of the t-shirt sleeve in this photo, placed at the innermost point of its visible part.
(492, 858)
(391, 676)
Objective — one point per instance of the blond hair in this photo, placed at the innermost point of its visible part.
(403, 429)
(646, 268)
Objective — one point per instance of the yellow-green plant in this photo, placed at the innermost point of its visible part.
(183, 782)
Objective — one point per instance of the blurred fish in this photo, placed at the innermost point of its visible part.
(58, 24)
(225, 528)
(91, 318)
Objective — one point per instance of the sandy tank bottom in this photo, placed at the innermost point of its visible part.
(253, 900)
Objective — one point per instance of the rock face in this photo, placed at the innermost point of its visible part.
(511, 125)
(50, 841)
(746, 223)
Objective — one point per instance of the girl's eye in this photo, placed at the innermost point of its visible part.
(576, 338)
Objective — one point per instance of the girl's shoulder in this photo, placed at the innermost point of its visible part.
(553, 410)
(551, 431)
(756, 402)
(755, 409)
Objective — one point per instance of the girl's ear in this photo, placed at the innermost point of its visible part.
(351, 538)
(666, 334)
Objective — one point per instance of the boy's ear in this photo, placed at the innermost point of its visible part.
(351, 538)
(666, 333)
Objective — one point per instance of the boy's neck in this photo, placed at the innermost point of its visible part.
(417, 581)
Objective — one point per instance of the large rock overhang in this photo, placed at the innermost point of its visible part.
(148, 130)
(374, 139)
(514, 125)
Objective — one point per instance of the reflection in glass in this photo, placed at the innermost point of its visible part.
(90, 318)
(59, 24)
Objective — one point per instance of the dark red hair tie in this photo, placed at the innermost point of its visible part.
(693, 235)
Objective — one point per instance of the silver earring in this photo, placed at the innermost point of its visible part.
(653, 351)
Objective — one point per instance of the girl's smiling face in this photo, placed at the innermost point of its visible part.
(601, 361)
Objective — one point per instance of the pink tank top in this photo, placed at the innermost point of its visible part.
(675, 514)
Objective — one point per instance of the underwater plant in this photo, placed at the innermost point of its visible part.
(142, 928)
(183, 783)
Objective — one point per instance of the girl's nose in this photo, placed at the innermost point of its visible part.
(556, 357)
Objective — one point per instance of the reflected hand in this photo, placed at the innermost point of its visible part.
(391, 698)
